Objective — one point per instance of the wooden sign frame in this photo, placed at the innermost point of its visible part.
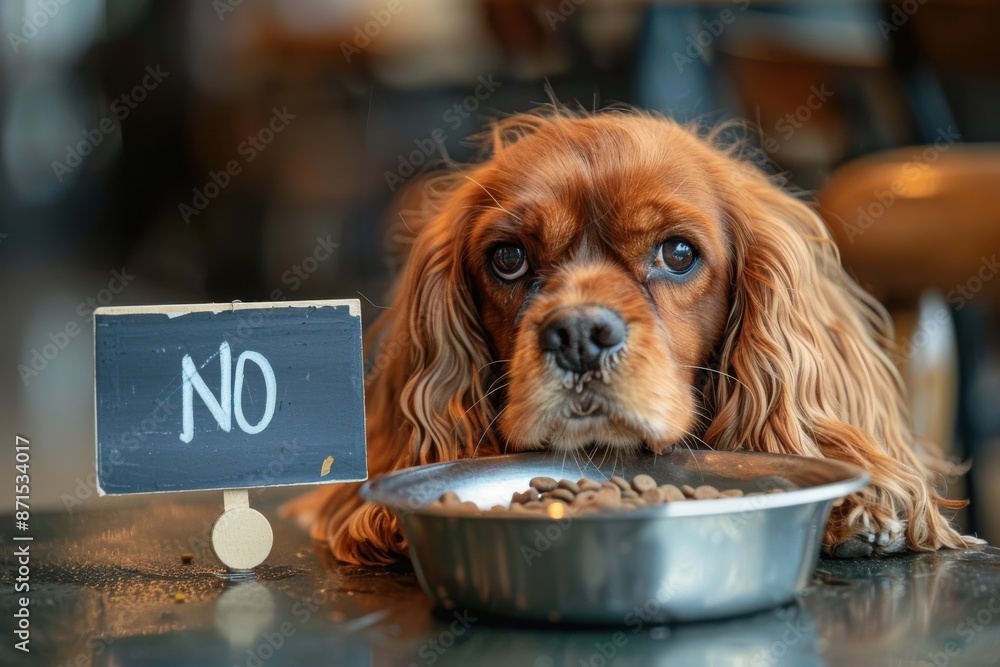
(218, 396)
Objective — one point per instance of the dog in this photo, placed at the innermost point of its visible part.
(618, 280)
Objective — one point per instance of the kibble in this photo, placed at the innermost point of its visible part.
(612, 489)
(587, 496)
(705, 492)
(543, 484)
(570, 486)
(524, 497)
(653, 495)
(605, 499)
(620, 482)
(643, 483)
(563, 494)
(671, 493)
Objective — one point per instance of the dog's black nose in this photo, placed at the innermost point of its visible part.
(581, 337)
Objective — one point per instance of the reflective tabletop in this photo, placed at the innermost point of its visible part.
(109, 586)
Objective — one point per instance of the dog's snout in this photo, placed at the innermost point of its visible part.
(581, 338)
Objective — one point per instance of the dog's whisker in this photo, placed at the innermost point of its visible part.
(712, 370)
(489, 390)
(692, 434)
(487, 208)
(406, 224)
(373, 304)
(689, 434)
(490, 363)
(687, 445)
(495, 380)
(679, 186)
(516, 217)
(701, 414)
(483, 398)
(486, 431)
(493, 389)
(590, 458)
(597, 220)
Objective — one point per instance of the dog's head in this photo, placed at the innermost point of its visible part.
(600, 261)
(620, 280)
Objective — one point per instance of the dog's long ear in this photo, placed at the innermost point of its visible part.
(427, 384)
(808, 354)
(425, 391)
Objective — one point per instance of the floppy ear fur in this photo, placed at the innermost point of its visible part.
(426, 390)
(808, 352)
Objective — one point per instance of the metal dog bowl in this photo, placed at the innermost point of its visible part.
(681, 561)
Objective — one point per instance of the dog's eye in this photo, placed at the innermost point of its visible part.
(509, 261)
(676, 256)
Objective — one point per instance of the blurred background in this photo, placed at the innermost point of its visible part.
(172, 152)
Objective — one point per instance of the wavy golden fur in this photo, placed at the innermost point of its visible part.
(764, 344)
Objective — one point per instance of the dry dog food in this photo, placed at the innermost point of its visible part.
(588, 495)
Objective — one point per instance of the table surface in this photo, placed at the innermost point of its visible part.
(108, 587)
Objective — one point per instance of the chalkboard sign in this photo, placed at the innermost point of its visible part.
(226, 396)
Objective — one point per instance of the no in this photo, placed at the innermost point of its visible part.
(230, 402)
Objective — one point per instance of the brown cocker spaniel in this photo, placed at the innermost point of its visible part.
(618, 280)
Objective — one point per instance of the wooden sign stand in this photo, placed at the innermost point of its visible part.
(241, 536)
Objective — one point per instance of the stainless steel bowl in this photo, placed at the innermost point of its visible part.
(681, 561)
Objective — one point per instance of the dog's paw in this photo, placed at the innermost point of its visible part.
(369, 536)
(859, 535)
(856, 547)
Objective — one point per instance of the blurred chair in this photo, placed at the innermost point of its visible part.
(920, 217)
(919, 227)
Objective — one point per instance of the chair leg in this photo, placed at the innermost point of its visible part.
(978, 419)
